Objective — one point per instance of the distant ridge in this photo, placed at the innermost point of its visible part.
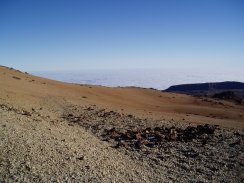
(229, 90)
(227, 85)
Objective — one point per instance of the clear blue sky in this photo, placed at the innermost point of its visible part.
(67, 35)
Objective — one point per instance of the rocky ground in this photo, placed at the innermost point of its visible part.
(179, 152)
(35, 148)
(89, 144)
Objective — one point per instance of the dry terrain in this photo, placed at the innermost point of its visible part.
(60, 132)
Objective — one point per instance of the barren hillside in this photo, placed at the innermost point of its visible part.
(27, 90)
(60, 132)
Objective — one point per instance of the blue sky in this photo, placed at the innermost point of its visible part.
(97, 34)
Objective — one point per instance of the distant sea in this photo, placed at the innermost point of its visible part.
(146, 78)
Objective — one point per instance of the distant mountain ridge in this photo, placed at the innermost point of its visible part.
(227, 85)
(229, 90)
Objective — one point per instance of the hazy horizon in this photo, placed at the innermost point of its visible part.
(146, 78)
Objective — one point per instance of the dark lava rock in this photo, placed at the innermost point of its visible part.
(151, 138)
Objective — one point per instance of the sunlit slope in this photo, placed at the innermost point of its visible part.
(28, 91)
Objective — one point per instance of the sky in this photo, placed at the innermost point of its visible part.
(52, 35)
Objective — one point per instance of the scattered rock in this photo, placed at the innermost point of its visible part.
(151, 138)
(237, 142)
(26, 113)
(15, 77)
(81, 158)
(180, 149)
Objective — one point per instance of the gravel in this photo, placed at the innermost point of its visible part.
(76, 147)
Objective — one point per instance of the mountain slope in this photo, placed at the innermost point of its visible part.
(28, 91)
(59, 132)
